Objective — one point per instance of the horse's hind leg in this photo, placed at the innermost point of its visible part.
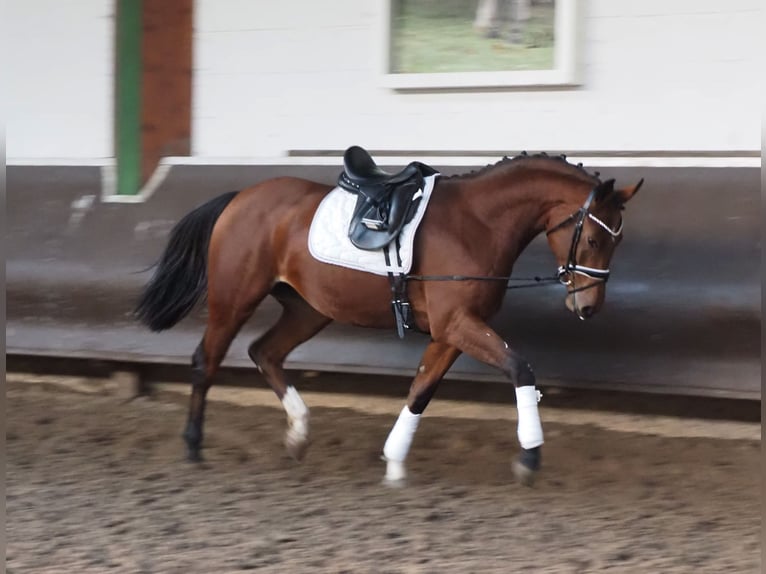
(200, 384)
(297, 324)
(229, 307)
(205, 362)
(436, 361)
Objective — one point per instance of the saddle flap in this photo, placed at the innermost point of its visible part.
(374, 226)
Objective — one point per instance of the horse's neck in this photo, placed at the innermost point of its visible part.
(516, 209)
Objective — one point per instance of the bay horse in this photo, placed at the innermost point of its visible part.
(240, 247)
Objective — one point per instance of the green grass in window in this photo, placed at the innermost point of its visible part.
(428, 42)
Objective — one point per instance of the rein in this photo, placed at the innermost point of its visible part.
(564, 272)
(403, 310)
(534, 281)
(401, 304)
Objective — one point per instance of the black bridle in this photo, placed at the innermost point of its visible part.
(564, 272)
(571, 267)
(401, 304)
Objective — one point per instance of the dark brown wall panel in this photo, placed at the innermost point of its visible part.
(166, 89)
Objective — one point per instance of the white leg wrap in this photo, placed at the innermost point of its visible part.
(395, 472)
(400, 438)
(297, 415)
(530, 430)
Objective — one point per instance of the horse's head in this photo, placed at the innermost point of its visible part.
(583, 238)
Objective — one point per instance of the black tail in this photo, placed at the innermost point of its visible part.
(181, 275)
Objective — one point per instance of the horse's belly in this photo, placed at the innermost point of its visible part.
(346, 296)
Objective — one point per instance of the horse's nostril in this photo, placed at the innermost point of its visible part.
(587, 311)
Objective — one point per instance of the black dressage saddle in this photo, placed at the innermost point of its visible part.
(385, 202)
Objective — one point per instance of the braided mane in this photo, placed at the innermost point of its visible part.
(557, 163)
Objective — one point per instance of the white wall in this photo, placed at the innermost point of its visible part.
(274, 76)
(60, 94)
(658, 75)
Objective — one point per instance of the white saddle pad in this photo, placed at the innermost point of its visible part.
(329, 242)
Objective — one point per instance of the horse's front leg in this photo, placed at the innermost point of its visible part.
(475, 338)
(437, 359)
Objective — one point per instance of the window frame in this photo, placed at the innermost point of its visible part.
(565, 71)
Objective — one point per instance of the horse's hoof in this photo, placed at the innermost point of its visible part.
(524, 474)
(194, 456)
(396, 474)
(296, 448)
(394, 482)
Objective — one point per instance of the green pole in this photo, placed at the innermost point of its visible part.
(128, 97)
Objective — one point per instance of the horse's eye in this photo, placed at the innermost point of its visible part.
(593, 243)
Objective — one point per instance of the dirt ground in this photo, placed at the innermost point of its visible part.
(98, 484)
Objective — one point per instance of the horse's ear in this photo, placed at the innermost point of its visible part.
(604, 189)
(623, 195)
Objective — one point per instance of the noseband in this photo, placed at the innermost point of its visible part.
(565, 271)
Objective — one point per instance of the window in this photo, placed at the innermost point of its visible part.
(443, 44)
